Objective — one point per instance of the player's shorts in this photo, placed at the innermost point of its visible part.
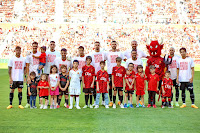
(63, 92)
(118, 88)
(140, 92)
(175, 83)
(129, 91)
(17, 84)
(42, 64)
(45, 97)
(167, 94)
(88, 90)
(187, 85)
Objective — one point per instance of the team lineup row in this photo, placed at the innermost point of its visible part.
(62, 76)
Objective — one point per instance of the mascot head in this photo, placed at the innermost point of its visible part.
(155, 48)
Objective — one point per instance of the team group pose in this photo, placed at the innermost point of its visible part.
(51, 74)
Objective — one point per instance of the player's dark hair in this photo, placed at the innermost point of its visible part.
(134, 50)
(76, 61)
(152, 67)
(182, 49)
(97, 42)
(52, 68)
(44, 74)
(130, 64)
(102, 62)
(63, 66)
(44, 48)
(32, 74)
(63, 49)
(118, 59)
(81, 47)
(139, 66)
(113, 41)
(89, 57)
(52, 41)
(168, 72)
(35, 43)
(18, 47)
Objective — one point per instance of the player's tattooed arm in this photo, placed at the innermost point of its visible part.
(10, 77)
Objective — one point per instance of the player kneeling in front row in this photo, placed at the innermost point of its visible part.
(129, 89)
(43, 90)
(185, 75)
(16, 70)
(32, 90)
(140, 80)
(102, 85)
(118, 74)
(63, 85)
(167, 90)
(75, 86)
(88, 77)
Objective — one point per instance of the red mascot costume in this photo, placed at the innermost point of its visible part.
(155, 59)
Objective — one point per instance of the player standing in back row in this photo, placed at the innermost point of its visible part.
(185, 75)
(16, 70)
(111, 62)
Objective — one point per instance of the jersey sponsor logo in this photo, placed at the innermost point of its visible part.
(157, 66)
(52, 80)
(51, 58)
(35, 61)
(18, 64)
(167, 86)
(98, 58)
(183, 65)
(88, 74)
(113, 58)
(103, 78)
(130, 80)
(119, 74)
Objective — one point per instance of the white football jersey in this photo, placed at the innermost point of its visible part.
(33, 62)
(140, 54)
(135, 62)
(97, 57)
(50, 57)
(18, 65)
(185, 72)
(58, 62)
(75, 85)
(111, 60)
(53, 79)
(173, 67)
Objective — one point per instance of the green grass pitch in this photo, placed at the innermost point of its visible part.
(97, 120)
